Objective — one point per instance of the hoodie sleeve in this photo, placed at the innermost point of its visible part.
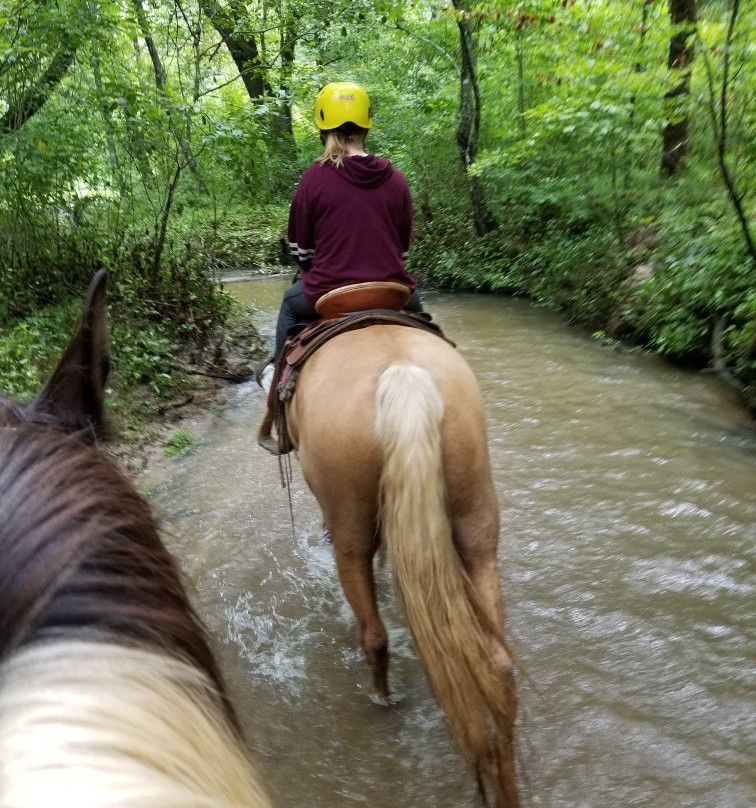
(301, 232)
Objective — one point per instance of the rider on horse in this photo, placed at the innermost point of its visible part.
(351, 216)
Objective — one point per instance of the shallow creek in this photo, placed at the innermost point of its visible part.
(628, 508)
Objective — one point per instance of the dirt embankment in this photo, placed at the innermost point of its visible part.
(144, 425)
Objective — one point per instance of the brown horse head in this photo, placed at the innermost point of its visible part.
(81, 550)
(109, 691)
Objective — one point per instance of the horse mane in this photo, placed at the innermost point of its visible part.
(82, 556)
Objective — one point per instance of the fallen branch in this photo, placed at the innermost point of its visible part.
(234, 378)
(164, 408)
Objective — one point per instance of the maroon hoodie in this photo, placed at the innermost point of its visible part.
(351, 224)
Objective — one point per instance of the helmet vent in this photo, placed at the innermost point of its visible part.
(322, 117)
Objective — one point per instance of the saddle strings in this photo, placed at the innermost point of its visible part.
(285, 470)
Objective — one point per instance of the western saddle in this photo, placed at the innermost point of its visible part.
(347, 308)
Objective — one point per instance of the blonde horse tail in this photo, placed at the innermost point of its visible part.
(452, 637)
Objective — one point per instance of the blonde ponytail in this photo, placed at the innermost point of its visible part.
(336, 143)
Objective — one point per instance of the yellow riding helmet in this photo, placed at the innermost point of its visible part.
(342, 102)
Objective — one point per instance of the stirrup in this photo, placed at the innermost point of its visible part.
(265, 379)
(270, 444)
(261, 368)
(265, 438)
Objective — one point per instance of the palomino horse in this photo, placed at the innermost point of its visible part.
(109, 691)
(389, 426)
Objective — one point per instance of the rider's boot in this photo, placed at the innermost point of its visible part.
(264, 437)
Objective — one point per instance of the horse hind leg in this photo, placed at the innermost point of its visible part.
(476, 539)
(354, 560)
(476, 542)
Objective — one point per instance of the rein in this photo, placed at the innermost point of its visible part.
(285, 470)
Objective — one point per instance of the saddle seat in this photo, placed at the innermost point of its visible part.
(361, 297)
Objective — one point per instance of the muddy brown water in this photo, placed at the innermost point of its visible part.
(628, 507)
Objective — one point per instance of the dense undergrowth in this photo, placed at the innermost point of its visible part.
(674, 281)
(670, 286)
(595, 157)
(164, 353)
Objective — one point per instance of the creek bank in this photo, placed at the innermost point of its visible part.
(231, 356)
(144, 423)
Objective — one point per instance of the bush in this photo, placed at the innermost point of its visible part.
(31, 347)
(559, 270)
(180, 444)
(701, 276)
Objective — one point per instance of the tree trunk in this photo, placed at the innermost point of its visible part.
(720, 125)
(520, 58)
(288, 48)
(157, 64)
(110, 136)
(181, 130)
(242, 46)
(281, 123)
(468, 123)
(680, 63)
(161, 229)
(34, 98)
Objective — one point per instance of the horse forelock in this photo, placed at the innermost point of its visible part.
(81, 552)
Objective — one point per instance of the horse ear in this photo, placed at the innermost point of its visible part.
(74, 394)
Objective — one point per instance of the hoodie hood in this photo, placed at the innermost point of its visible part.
(369, 171)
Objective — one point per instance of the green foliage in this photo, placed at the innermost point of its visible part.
(170, 179)
(150, 492)
(143, 349)
(239, 236)
(180, 444)
(144, 355)
(30, 348)
(558, 269)
(700, 276)
(740, 344)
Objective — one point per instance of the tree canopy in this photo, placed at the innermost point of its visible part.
(596, 156)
